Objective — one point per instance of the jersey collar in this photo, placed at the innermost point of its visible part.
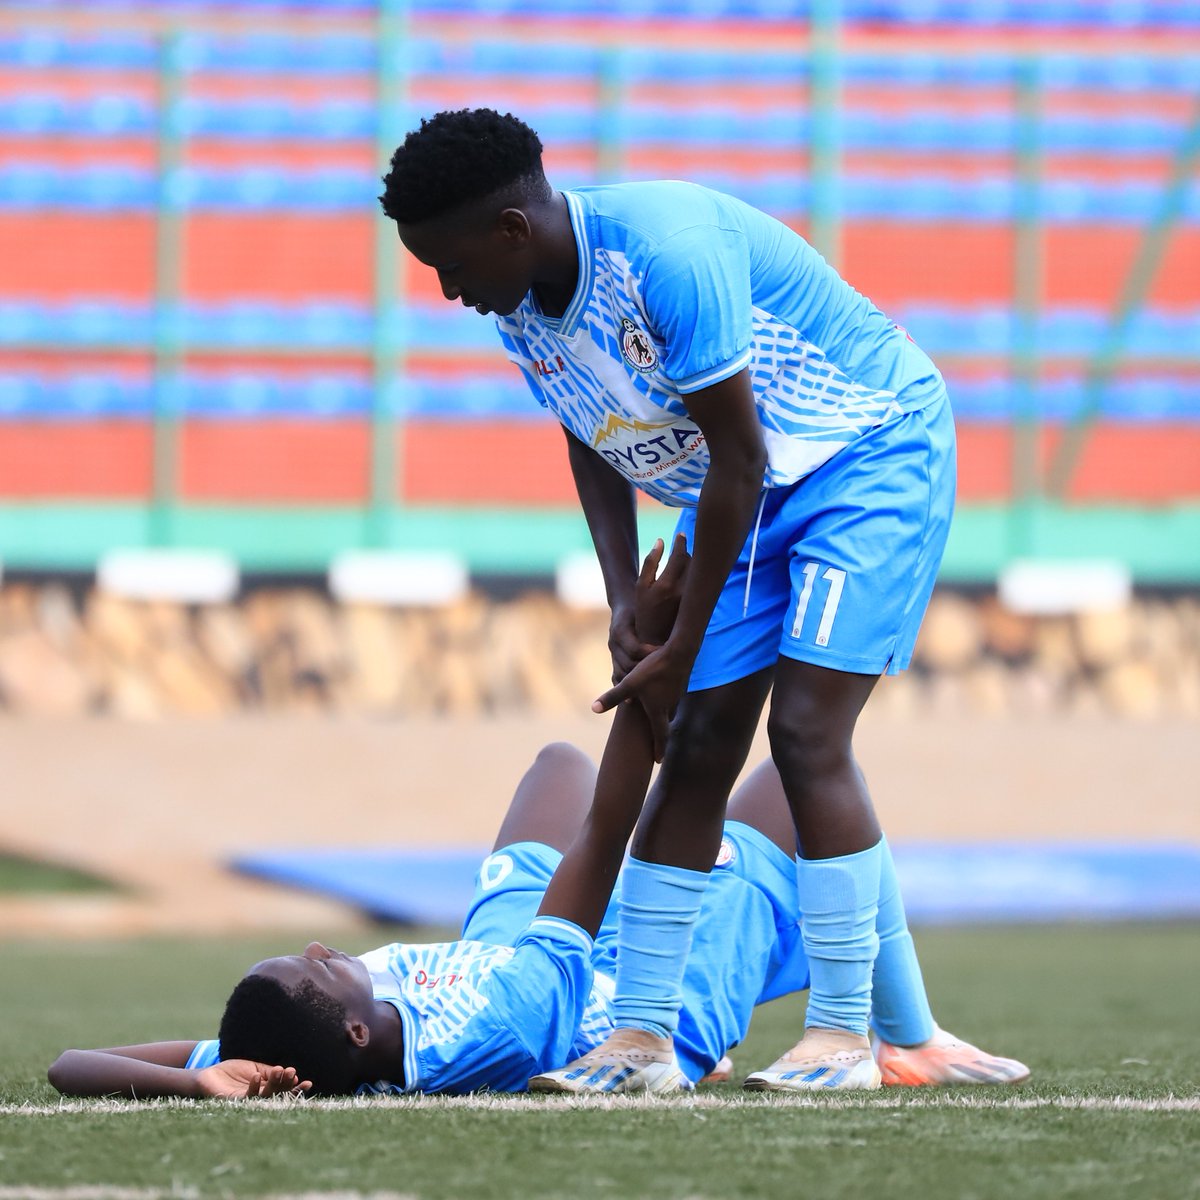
(568, 324)
(409, 1025)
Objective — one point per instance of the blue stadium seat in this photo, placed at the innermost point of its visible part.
(43, 48)
(470, 397)
(709, 125)
(324, 394)
(108, 188)
(980, 399)
(252, 322)
(1117, 14)
(650, 64)
(114, 114)
(21, 393)
(234, 393)
(204, 116)
(448, 328)
(925, 197)
(333, 395)
(105, 394)
(329, 323)
(331, 53)
(91, 394)
(85, 321)
(29, 185)
(1150, 399)
(32, 113)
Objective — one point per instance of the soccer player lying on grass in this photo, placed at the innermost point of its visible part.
(530, 985)
(522, 993)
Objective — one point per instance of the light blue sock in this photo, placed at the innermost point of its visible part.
(839, 904)
(899, 1006)
(658, 909)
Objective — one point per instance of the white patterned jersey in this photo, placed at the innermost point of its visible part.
(681, 287)
(478, 1016)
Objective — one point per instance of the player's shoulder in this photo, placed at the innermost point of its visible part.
(650, 212)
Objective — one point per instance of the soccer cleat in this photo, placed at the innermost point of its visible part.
(629, 1060)
(833, 1059)
(944, 1060)
(722, 1072)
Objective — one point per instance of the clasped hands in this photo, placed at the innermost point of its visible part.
(647, 668)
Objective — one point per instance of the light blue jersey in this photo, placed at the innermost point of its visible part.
(478, 1016)
(521, 994)
(681, 287)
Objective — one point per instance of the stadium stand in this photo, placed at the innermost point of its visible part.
(188, 227)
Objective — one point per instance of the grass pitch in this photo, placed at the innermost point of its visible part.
(1105, 1016)
(19, 874)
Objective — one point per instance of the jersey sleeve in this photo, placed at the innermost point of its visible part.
(544, 989)
(696, 290)
(535, 1003)
(204, 1054)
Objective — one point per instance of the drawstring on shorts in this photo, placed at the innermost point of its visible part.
(753, 549)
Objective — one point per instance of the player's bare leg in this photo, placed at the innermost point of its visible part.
(813, 714)
(551, 800)
(681, 828)
(940, 1059)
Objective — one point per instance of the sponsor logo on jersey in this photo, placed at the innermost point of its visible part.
(644, 450)
(637, 348)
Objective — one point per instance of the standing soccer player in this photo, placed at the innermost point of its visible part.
(697, 349)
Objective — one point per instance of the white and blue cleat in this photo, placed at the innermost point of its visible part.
(823, 1060)
(629, 1061)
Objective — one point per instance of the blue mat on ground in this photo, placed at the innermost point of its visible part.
(942, 883)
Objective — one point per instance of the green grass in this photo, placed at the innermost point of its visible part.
(1105, 1015)
(18, 874)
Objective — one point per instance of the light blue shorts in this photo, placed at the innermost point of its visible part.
(844, 561)
(746, 948)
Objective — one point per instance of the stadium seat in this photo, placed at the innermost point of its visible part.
(332, 53)
(32, 113)
(44, 48)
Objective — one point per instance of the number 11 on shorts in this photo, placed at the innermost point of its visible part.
(837, 581)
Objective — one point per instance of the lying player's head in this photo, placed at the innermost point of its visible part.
(460, 191)
(309, 1011)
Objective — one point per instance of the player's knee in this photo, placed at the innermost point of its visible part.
(699, 756)
(806, 744)
(563, 756)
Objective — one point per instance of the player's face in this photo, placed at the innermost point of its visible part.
(340, 976)
(481, 261)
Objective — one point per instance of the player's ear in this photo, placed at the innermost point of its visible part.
(513, 227)
(358, 1033)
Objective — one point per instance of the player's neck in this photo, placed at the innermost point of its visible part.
(383, 1057)
(557, 274)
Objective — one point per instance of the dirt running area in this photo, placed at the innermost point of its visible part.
(160, 807)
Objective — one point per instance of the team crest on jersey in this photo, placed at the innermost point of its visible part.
(637, 348)
(726, 854)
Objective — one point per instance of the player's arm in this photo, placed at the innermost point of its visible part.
(728, 418)
(157, 1069)
(609, 503)
(583, 883)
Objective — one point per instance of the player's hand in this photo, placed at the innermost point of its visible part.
(657, 683)
(242, 1079)
(624, 644)
(656, 597)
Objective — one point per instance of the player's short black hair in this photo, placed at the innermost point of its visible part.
(460, 156)
(302, 1028)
